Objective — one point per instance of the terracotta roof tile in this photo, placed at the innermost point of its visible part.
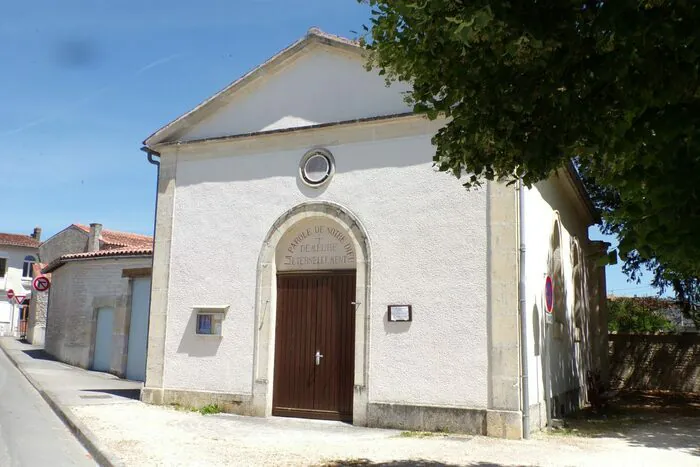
(18, 240)
(114, 239)
(115, 252)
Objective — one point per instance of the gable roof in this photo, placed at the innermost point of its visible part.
(209, 106)
(27, 241)
(115, 239)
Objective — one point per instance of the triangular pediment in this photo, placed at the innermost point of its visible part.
(320, 79)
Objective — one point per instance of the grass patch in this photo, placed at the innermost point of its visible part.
(210, 409)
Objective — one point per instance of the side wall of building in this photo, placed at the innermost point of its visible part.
(70, 240)
(563, 351)
(79, 289)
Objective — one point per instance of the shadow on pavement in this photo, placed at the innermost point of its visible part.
(655, 419)
(405, 463)
(40, 354)
(134, 394)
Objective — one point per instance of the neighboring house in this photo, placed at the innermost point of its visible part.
(18, 253)
(310, 262)
(99, 298)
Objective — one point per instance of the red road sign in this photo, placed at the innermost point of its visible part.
(20, 298)
(41, 283)
(548, 294)
(10, 294)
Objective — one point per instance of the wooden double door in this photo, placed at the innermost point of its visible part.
(314, 345)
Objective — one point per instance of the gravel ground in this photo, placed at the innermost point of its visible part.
(140, 434)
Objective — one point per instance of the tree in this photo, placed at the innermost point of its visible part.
(638, 315)
(529, 86)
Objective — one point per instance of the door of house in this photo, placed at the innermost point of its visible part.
(138, 329)
(102, 357)
(314, 345)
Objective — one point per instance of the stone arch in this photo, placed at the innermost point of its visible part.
(578, 281)
(555, 269)
(265, 308)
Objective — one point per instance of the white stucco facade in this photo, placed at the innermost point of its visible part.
(415, 259)
(232, 201)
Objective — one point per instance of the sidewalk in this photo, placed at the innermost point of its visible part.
(65, 387)
(118, 429)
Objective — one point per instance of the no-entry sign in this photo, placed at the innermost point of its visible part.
(10, 294)
(548, 294)
(41, 283)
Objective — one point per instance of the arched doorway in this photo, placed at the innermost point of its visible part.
(313, 283)
(315, 322)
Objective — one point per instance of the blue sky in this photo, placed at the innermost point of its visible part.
(84, 82)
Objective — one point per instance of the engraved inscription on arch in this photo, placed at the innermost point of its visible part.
(315, 244)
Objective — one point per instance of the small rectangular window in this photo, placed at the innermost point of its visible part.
(209, 320)
(3, 266)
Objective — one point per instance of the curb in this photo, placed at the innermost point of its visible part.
(79, 430)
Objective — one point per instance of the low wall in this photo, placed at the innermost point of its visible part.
(668, 362)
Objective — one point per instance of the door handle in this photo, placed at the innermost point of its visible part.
(318, 358)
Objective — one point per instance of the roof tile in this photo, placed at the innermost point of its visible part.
(28, 241)
(114, 239)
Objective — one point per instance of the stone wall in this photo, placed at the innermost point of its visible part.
(36, 329)
(78, 289)
(67, 241)
(656, 362)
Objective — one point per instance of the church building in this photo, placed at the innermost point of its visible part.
(311, 262)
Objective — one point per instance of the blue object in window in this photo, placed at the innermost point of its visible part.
(204, 324)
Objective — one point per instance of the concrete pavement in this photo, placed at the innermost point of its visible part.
(117, 429)
(30, 434)
(63, 387)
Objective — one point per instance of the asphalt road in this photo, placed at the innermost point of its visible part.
(31, 435)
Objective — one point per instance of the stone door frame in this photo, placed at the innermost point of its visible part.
(266, 304)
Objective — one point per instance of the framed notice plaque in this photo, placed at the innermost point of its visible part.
(398, 313)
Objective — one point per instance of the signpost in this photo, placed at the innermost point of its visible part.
(41, 283)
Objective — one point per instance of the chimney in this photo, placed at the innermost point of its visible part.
(94, 237)
(36, 235)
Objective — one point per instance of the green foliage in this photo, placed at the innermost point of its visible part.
(638, 315)
(528, 86)
(210, 409)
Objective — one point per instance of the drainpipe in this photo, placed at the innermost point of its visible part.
(150, 152)
(525, 388)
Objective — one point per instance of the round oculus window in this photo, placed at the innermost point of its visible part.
(316, 167)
